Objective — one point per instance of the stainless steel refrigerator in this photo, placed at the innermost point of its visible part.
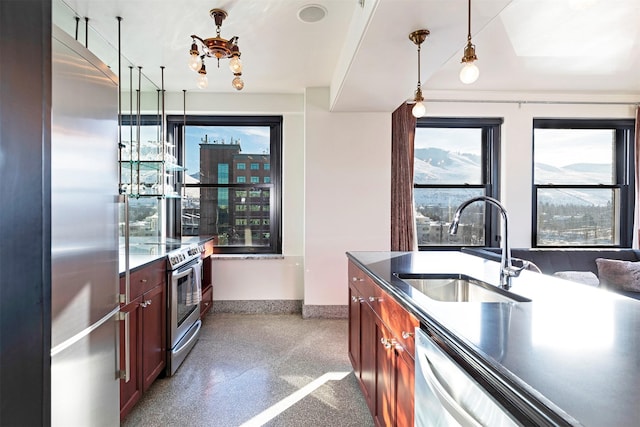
(84, 218)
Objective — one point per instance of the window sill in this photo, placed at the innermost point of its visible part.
(225, 257)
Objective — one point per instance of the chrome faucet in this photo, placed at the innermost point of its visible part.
(507, 270)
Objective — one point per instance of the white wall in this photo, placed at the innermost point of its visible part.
(262, 279)
(347, 193)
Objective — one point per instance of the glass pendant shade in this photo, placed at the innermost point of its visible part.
(235, 65)
(195, 62)
(469, 72)
(237, 83)
(202, 81)
(418, 109)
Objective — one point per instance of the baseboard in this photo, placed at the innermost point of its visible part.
(258, 306)
(325, 311)
(281, 307)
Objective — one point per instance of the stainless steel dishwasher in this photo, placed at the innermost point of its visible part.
(446, 395)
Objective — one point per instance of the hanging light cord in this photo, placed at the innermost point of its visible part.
(469, 22)
(419, 85)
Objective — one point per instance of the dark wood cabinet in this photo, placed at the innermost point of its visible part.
(154, 333)
(381, 348)
(207, 285)
(147, 333)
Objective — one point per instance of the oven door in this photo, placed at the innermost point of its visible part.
(184, 302)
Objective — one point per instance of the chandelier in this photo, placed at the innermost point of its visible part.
(219, 48)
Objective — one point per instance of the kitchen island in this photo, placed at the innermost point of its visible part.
(569, 356)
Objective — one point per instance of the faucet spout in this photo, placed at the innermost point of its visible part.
(507, 270)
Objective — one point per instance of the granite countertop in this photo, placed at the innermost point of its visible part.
(142, 253)
(573, 348)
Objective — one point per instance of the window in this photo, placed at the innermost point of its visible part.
(217, 199)
(583, 187)
(455, 159)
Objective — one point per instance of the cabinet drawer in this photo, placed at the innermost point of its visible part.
(145, 278)
(401, 323)
(357, 278)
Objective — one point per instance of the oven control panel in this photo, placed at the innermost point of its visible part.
(183, 255)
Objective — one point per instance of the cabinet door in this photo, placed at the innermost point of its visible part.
(384, 414)
(154, 354)
(404, 385)
(131, 391)
(354, 329)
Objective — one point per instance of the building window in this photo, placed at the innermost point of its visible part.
(583, 191)
(244, 216)
(455, 159)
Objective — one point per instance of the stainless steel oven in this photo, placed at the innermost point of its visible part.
(183, 303)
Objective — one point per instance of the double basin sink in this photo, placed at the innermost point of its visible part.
(458, 288)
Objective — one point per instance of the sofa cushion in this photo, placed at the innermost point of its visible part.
(619, 275)
(584, 277)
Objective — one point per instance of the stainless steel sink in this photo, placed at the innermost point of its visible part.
(458, 288)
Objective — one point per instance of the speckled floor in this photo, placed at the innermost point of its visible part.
(254, 370)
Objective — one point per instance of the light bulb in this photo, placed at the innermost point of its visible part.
(202, 81)
(195, 63)
(419, 109)
(469, 72)
(237, 83)
(235, 65)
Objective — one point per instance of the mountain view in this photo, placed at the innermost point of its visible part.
(438, 166)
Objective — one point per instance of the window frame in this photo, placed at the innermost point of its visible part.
(490, 153)
(175, 125)
(624, 174)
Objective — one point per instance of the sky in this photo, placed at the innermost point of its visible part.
(252, 139)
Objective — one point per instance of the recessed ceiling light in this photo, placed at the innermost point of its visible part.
(312, 13)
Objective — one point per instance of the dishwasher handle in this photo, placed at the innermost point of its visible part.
(447, 401)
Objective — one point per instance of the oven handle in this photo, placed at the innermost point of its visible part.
(194, 336)
(176, 275)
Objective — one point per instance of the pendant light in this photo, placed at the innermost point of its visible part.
(470, 71)
(418, 37)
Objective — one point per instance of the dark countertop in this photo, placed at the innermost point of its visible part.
(573, 348)
(142, 253)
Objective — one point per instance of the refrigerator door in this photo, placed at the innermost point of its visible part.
(84, 238)
(84, 387)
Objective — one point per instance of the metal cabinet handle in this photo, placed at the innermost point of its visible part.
(143, 280)
(357, 279)
(126, 374)
(406, 334)
(388, 343)
(145, 304)
(374, 299)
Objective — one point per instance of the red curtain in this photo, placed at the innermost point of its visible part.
(403, 130)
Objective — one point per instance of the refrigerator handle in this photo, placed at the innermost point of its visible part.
(126, 297)
(126, 374)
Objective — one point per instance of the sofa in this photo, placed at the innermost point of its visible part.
(617, 270)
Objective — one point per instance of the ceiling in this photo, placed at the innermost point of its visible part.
(361, 48)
